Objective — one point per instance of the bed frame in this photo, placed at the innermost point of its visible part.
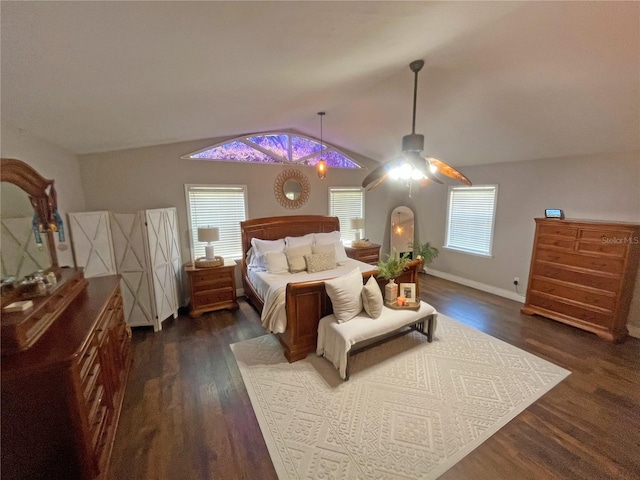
(306, 302)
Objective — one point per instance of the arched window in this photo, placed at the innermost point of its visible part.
(274, 147)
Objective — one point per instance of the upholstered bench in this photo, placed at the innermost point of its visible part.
(337, 342)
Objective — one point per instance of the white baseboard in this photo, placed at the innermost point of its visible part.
(501, 292)
(633, 331)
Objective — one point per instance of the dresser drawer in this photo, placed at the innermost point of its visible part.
(581, 314)
(601, 282)
(615, 250)
(602, 264)
(563, 230)
(599, 300)
(556, 241)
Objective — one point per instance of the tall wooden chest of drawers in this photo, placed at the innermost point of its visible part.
(212, 288)
(583, 273)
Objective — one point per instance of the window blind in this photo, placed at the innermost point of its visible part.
(470, 219)
(346, 203)
(217, 206)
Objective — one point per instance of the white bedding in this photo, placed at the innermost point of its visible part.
(272, 288)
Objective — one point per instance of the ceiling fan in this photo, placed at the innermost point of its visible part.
(413, 166)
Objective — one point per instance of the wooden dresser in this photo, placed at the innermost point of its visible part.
(61, 398)
(370, 254)
(212, 288)
(583, 273)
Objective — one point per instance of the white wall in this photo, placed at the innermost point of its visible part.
(52, 162)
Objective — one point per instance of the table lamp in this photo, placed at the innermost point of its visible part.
(357, 224)
(209, 234)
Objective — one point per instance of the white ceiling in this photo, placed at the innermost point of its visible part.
(502, 82)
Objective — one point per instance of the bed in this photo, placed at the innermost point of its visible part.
(304, 303)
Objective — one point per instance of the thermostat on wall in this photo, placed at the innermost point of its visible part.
(553, 213)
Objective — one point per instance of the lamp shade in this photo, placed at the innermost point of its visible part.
(357, 223)
(208, 234)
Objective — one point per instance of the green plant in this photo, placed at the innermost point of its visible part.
(424, 252)
(393, 266)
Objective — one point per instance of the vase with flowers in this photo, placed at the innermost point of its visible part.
(390, 270)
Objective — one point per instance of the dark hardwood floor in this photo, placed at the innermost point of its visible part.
(187, 415)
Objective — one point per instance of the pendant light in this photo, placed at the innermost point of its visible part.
(321, 166)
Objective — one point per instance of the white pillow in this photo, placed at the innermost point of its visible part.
(341, 253)
(261, 247)
(302, 241)
(295, 257)
(372, 300)
(325, 238)
(345, 294)
(276, 262)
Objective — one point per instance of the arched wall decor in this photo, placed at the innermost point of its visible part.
(292, 189)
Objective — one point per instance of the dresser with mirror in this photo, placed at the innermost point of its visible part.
(65, 344)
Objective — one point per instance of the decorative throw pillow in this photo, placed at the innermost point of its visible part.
(295, 257)
(372, 298)
(345, 294)
(319, 262)
(293, 242)
(261, 247)
(328, 248)
(276, 262)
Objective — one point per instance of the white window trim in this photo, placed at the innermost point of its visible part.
(493, 223)
(347, 228)
(187, 186)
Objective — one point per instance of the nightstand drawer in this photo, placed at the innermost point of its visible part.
(211, 297)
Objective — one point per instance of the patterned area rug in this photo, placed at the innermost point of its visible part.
(410, 410)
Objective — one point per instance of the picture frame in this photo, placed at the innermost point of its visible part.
(408, 290)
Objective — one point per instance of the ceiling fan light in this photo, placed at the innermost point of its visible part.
(432, 168)
(417, 175)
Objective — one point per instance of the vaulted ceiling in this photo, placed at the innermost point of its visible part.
(502, 82)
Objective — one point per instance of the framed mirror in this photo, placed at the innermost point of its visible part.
(27, 220)
(292, 189)
(402, 227)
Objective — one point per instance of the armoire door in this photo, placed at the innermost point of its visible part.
(132, 263)
(91, 240)
(161, 265)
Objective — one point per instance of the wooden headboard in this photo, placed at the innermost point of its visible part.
(273, 228)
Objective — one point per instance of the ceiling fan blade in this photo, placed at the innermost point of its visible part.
(375, 178)
(448, 171)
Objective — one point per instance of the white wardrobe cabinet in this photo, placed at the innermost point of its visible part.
(146, 253)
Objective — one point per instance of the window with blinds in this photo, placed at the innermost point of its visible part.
(221, 206)
(470, 219)
(347, 203)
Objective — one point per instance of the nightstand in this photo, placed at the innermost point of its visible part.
(370, 254)
(212, 288)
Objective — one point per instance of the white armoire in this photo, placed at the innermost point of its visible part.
(144, 248)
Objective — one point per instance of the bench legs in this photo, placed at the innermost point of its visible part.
(373, 342)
